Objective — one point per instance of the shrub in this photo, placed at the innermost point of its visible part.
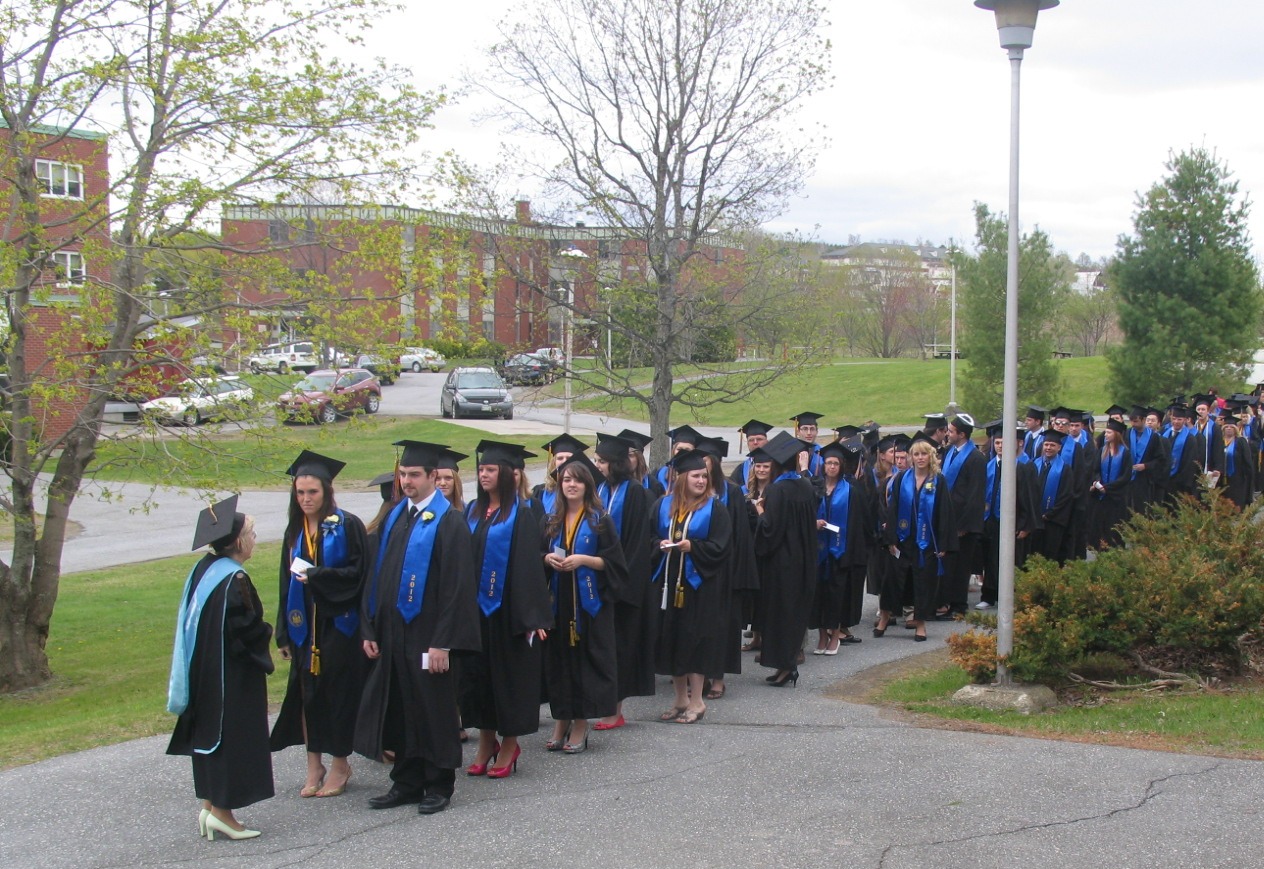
(1185, 582)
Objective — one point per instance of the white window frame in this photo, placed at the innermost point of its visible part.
(70, 266)
(71, 175)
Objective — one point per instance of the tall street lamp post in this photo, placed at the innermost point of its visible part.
(568, 332)
(1016, 22)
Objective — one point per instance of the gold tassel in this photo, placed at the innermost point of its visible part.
(680, 595)
(574, 634)
(315, 660)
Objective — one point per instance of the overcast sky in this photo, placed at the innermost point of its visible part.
(918, 118)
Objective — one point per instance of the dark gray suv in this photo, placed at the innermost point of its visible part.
(475, 392)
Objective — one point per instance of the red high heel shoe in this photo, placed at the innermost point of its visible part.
(509, 768)
(481, 768)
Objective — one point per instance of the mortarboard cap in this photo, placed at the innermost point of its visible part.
(806, 418)
(784, 447)
(386, 484)
(613, 447)
(935, 421)
(1209, 400)
(963, 422)
(449, 459)
(564, 443)
(419, 454)
(717, 447)
(637, 439)
(995, 428)
(922, 436)
(1054, 437)
(495, 452)
(684, 434)
(1116, 410)
(1116, 426)
(688, 460)
(1181, 411)
(218, 523)
(755, 427)
(846, 432)
(1035, 411)
(1138, 410)
(310, 464)
(903, 442)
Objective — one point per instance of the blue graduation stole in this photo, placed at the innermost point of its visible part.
(613, 500)
(1050, 494)
(745, 475)
(697, 525)
(992, 502)
(585, 543)
(1032, 443)
(958, 458)
(788, 475)
(1111, 467)
(1178, 450)
(1209, 434)
(834, 509)
(661, 476)
(186, 633)
(916, 514)
(333, 540)
(1230, 464)
(1139, 445)
(416, 567)
(547, 500)
(491, 583)
(815, 462)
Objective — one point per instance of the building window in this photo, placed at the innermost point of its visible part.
(278, 231)
(63, 180)
(69, 266)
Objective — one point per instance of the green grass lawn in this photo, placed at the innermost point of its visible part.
(890, 391)
(110, 650)
(258, 459)
(1222, 722)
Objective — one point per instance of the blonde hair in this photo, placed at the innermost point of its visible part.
(920, 448)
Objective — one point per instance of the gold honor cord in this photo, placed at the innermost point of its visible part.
(681, 523)
(310, 542)
(571, 530)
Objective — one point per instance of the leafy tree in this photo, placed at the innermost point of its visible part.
(205, 105)
(1189, 291)
(1088, 318)
(1043, 283)
(669, 121)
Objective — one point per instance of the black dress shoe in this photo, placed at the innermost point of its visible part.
(393, 798)
(432, 803)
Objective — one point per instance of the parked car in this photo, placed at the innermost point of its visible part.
(196, 399)
(283, 358)
(526, 369)
(475, 392)
(418, 359)
(386, 371)
(324, 395)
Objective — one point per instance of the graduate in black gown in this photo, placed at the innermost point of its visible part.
(1108, 494)
(842, 554)
(318, 627)
(1237, 475)
(742, 576)
(544, 495)
(1026, 513)
(219, 670)
(640, 468)
(1056, 486)
(418, 609)
(1187, 451)
(586, 572)
(693, 533)
(785, 550)
(500, 685)
(635, 612)
(920, 531)
(1149, 461)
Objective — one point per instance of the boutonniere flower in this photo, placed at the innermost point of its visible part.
(930, 488)
(427, 516)
(330, 523)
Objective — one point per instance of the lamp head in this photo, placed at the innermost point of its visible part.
(1016, 19)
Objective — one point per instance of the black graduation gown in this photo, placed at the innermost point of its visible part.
(500, 686)
(423, 721)
(635, 600)
(880, 560)
(1026, 519)
(785, 550)
(1108, 507)
(967, 498)
(920, 569)
(329, 702)
(1240, 485)
(743, 578)
(1213, 445)
(691, 637)
(583, 678)
(232, 713)
(1056, 517)
(1148, 484)
(1185, 471)
(840, 587)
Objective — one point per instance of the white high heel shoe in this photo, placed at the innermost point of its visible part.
(202, 816)
(215, 825)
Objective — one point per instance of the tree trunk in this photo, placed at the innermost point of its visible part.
(23, 662)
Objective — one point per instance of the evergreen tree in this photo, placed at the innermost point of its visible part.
(1044, 279)
(1189, 292)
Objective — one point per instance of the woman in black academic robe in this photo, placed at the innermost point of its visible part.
(785, 550)
(1237, 473)
(322, 606)
(635, 607)
(693, 531)
(1108, 494)
(842, 555)
(500, 685)
(743, 579)
(585, 569)
(922, 541)
(219, 679)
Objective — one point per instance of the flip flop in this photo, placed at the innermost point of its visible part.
(672, 714)
(690, 717)
(714, 694)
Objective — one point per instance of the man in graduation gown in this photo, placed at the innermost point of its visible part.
(683, 437)
(965, 469)
(1026, 516)
(419, 607)
(756, 434)
(1187, 450)
(1149, 461)
(1056, 488)
(1207, 426)
(1033, 437)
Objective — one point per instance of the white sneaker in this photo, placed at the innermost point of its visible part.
(983, 605)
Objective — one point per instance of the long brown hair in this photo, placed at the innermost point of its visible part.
(506, 492)
(591, 506)
(684, 500)
(294, 529)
